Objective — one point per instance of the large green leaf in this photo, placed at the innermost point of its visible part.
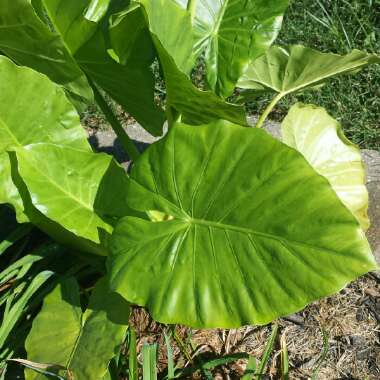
(319, 137)
(75, 49)
(291, 69)
(231, 33)
(252, 231)
(83, 343)
(82, 191)
(196, 106)
(63, 185)
(36, 111)
(28, 41)
(131, 86)
(172, 35)
(26, 118)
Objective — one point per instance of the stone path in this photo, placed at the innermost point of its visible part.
(106, 141)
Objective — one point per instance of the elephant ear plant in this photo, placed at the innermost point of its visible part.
(217, 224)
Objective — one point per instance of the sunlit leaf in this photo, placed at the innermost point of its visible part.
(28, 41)
(26, 118)
(291, 69)
(81, 191)
(319, 137)
(171, 29)
(231, 33)
(75, 49)
(131, 86)
(254, 235)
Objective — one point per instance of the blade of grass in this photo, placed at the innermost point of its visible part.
(149, 361)
(21, 231)
(132, 354)
(17, 309)
(324, 353)
(284, 359)
(44, 369)
(267, 352)
(251, 368)
(212, 363)
(169, 351)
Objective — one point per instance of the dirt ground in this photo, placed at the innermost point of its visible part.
(351, 320)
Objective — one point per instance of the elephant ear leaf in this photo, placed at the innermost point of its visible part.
(255, 235)
(49, 172)
(231, 33)
(27, 40)
(132, 85)
(27, 119)
(81, 191)
(319, 137)
(287, 70)
(171, 30)
(87, 340)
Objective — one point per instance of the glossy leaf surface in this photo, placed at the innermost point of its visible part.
(83, 343)
(292, 69)
(231, 33)
(253, 235)
(26, 118)
(75, 49)
(29, 42)
(131, 86)
(320, 138)
(170, 26)
(82, 191)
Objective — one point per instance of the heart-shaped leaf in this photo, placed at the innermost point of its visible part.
(291, 69)
(231, 33)
(81, 191)
(26, 119)
(87, 341)
(319, 137)
(171, 29)
(253, 231)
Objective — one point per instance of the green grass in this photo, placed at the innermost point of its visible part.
(338, 26)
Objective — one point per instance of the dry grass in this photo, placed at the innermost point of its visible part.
(349, 318)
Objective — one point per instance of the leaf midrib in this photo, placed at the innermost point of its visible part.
(248, 231)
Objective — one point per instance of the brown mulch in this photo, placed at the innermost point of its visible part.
(351, 319)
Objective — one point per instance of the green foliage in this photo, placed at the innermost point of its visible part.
(338, 26)
(319, 137)
(295, 68)
(87, 340)
(29, 119)
(229, 38)
(226, 257)
(52, 178)
(217, 224)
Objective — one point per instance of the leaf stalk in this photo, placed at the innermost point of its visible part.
(269, 109)
(191, 6)
(125, 141)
